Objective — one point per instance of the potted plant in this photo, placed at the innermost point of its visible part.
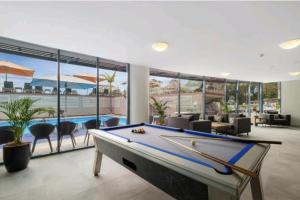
(16, 154)
(224, 108)
(160, 106)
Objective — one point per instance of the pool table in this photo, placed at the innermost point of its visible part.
(182, 173)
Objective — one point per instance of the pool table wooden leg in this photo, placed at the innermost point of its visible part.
(256, 188)
(97, 162)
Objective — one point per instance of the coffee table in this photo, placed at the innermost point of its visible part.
(221, 127)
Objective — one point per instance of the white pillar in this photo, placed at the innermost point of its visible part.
(139, 94)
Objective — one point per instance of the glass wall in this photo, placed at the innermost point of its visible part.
(21, 80)
(64, 84)
(231, 92)
(271, 96)
(243, 98)
(113, 94)
(191, 96)
(165, 89)
(214, 97)
(220, 95)
(78, 102)
(254, 97)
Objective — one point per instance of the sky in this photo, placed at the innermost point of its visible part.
(44, 68)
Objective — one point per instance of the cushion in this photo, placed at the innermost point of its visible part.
(219, 118)
(189, 117)
(276, 117)
(272, 112)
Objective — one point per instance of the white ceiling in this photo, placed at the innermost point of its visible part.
(206, 38)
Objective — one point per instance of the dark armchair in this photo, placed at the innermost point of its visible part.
(189, 123)
(27, 88)
(67, 128)
(41, 131)
(114, 121)
(38, 89)
(6, 134)
(91, 124)
(8, 86)
(241, 125)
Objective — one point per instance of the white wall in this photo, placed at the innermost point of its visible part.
(290, 100)
(139, 94)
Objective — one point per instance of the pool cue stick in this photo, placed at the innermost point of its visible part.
(226, 139)
(220, 161)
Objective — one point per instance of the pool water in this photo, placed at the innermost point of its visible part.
(78, 120)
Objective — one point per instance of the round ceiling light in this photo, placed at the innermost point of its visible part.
(160, 46)
(294, 73)
(225, 74)
(290, 44)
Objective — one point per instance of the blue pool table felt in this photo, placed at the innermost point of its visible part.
(229, 151)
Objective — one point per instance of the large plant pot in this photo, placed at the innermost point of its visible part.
(16, 156)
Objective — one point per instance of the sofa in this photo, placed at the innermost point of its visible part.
(277, 119)
(188, 122)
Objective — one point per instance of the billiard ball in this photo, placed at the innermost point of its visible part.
(193, 142)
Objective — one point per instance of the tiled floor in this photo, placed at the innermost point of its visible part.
(69, 175)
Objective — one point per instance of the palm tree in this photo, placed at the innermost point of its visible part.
(19, 113)
(110, 78)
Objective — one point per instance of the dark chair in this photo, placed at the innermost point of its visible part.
(41, 131)
(111, 122)
(91, 124)
(8, 86)
(54, 91)
(240, 125)
(38, 89)
(189, 123)
(27, 88)
(6, 134)
(67, 128)
(93, 93)
(68, 91)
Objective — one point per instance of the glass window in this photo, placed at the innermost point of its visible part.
(214, 99)
(231, 96)
(165, 89)
(191, 96)
(77, 102)
(25, 84)
(243, 98)
(254, 97)
(113, 95)
(271, 95)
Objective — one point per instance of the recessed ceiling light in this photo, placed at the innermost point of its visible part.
(160, 46)
(225, 74)
(290, 44)
(294, 73)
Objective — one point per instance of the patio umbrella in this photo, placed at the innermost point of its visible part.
(12, 68)
(66, 81)
(88, 77)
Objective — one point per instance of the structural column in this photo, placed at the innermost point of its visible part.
(139, 94)
(237, 104)
(203, 108)
(249, 100)
(261, 98)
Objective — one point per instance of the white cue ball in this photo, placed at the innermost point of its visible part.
(193, 142)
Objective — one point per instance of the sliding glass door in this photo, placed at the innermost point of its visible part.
(22, 80)
(76, 91)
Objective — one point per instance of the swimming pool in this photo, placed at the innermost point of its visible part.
(78, 120)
